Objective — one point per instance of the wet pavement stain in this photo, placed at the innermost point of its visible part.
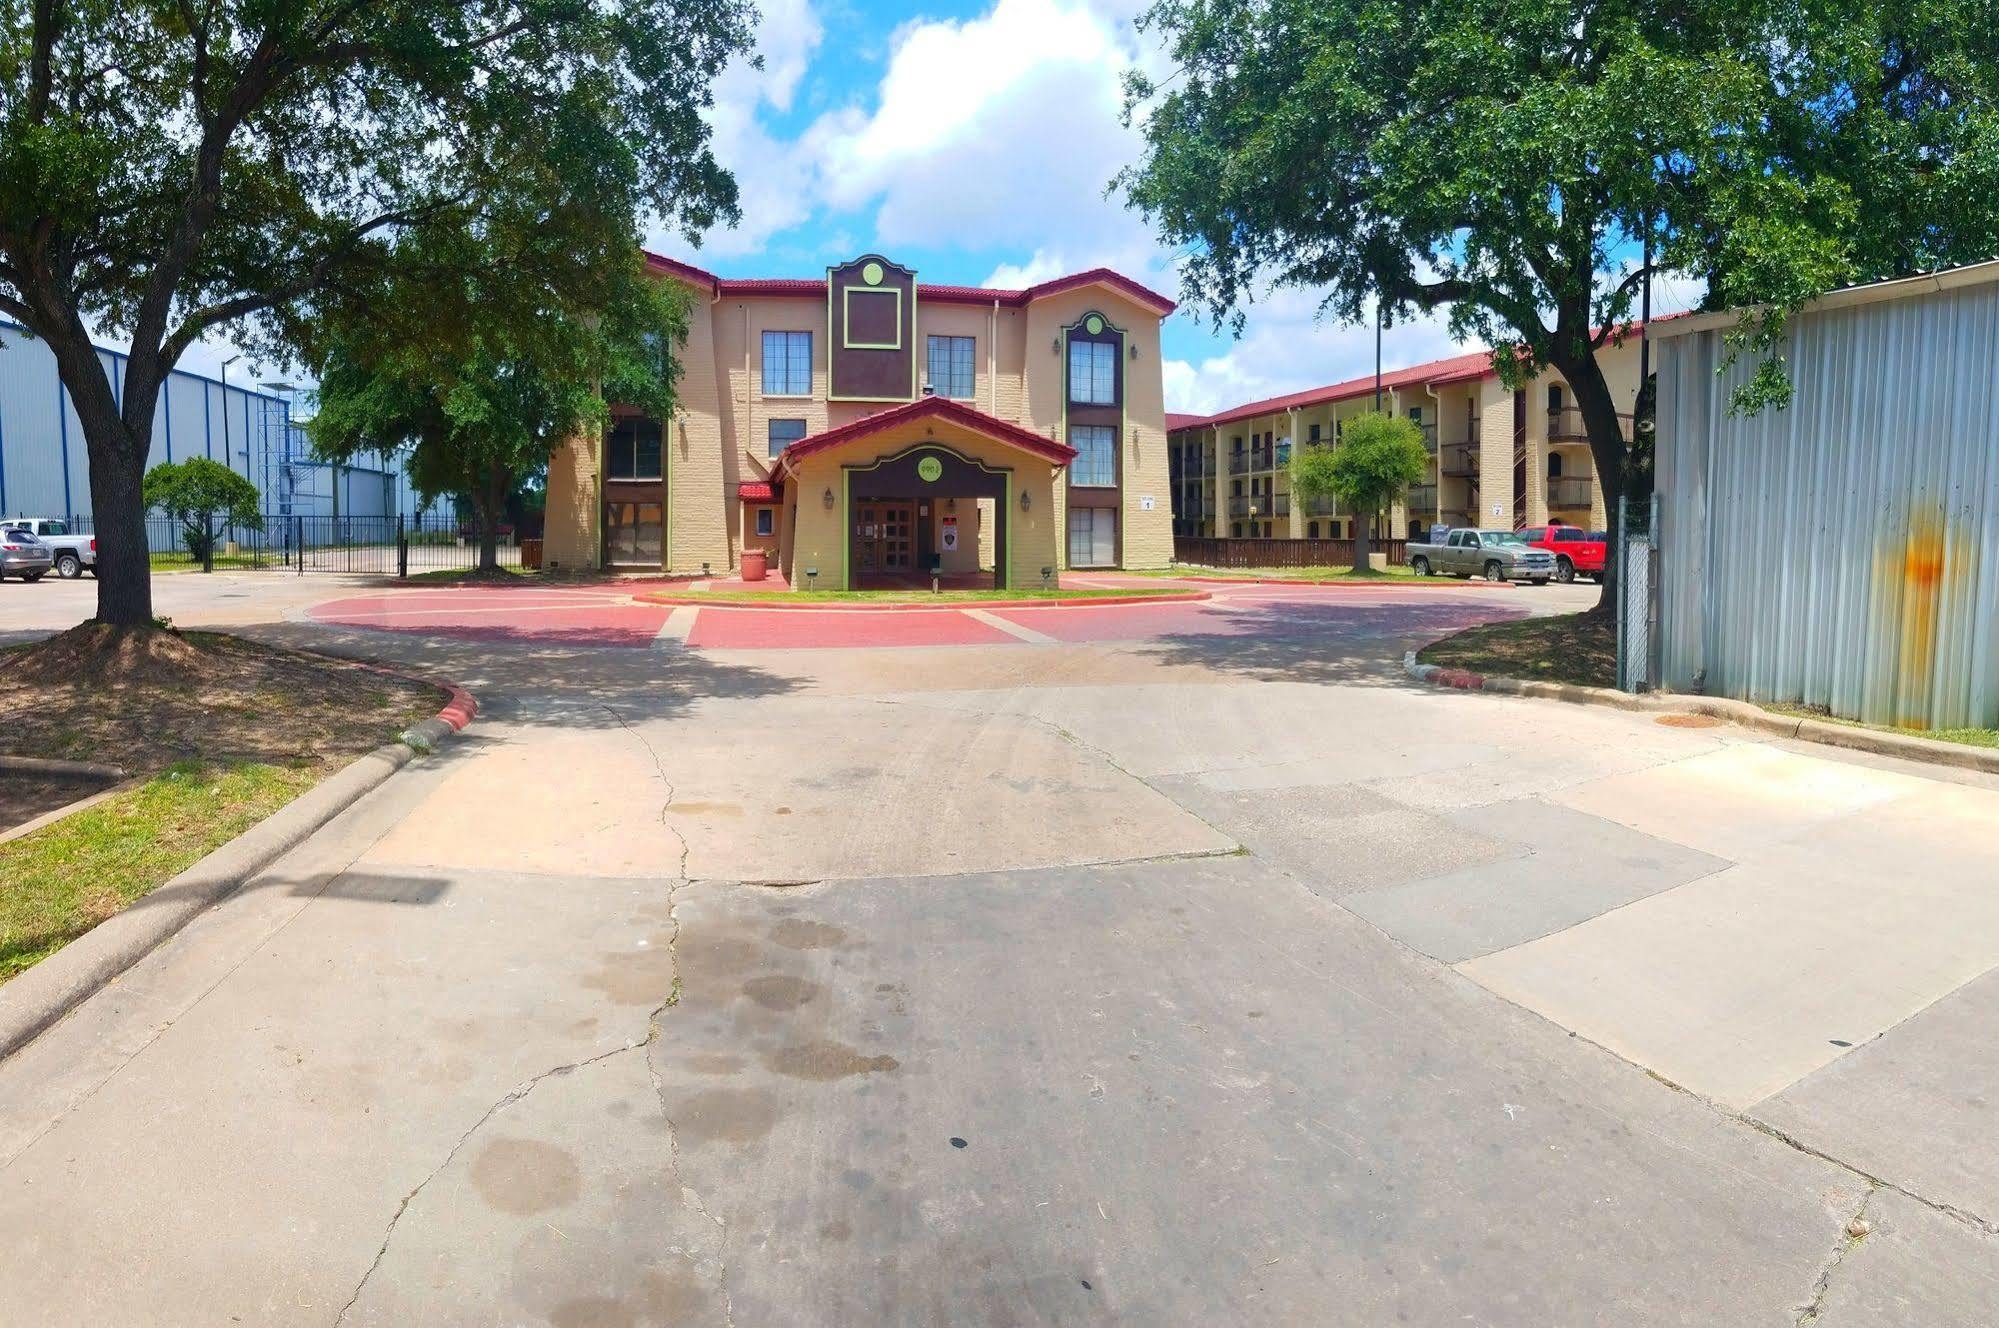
(523, 1176)
(724, 1115)
(723, 957)
(642, 975)
(780, 992)
(827, 1061)
(706, 808)
(712, 1063)
(803, 934)
(662, 1298)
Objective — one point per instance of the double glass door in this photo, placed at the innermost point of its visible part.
(632, 534)
(885, 536)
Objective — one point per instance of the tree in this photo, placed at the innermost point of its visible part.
(1376, 458)
(171, 170)
(477, 415)
(1525, 166)
(200, 494)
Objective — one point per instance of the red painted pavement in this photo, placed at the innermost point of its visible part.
(574, 617)
(765, 629)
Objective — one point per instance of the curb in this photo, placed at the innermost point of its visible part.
(947, 606)
(1907, 746)
(35, 1000)
(37, 765)
(1334, 583)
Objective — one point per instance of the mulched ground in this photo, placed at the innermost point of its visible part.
(23, 797)
(1577, 648)
(142, 699)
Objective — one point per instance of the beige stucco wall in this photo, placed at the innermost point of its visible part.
(820, 540)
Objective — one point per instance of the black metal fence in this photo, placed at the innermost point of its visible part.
(364, 545)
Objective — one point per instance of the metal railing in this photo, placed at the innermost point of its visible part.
(1459, 460)
(379, 545)
(1565, 425)
(1420, 498)
(1571, 492)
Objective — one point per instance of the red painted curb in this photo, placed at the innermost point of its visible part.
(953, 606)
(459, 711)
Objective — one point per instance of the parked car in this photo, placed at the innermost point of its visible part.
(74, 554)
(1496, 555)
(22, 555)
(1578, 552)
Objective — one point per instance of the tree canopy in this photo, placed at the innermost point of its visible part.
(1376, 459)
(202, 494)
(475, 413)
(1513, 163)
(171, 170)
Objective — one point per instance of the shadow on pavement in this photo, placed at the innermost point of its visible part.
(1318, 643)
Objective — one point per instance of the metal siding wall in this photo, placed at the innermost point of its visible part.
(1843, 552)
(29, 398)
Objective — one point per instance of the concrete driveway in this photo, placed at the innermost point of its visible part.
(1178, 976)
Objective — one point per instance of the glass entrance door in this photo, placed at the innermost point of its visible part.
(885, 537)
(632, 534)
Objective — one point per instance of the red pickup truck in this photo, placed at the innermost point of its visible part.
(1578, 552)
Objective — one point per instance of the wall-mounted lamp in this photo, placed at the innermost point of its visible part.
(826, 498)
(1026, 500)
(1134, 350)
(1055, 346)
(950, 504)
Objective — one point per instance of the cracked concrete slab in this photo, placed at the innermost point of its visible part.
(562, 1207)
(1917, 1106)
(1915, 1266)
(1185, 1092)
(1579, 866)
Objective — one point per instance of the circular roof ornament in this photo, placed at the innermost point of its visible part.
(1093, 325)
(872, 274)
(929, 469)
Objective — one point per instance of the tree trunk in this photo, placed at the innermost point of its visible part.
(1363, 550)
(1608, 450)
(117, 451)
(491, 500)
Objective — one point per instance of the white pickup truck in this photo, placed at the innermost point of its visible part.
(74, 554)
(1496, 555)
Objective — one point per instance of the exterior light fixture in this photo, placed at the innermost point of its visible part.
(1134, 350)
(827, 498)
(1055, 346)
(1026, 500)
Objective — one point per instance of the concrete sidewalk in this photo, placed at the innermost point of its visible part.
(1149, 982)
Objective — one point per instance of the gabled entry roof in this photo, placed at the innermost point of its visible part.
(930, 408)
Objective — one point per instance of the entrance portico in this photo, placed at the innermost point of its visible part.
(933, 489)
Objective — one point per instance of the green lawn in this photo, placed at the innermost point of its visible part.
(61, 881)
(180, 562)
(1966, 737)
(1578, 648)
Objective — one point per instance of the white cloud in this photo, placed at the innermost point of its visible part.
(1286, 347)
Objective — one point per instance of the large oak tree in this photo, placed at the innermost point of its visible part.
(171, 168)
(1513, 162)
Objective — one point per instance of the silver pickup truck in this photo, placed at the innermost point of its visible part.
(74, 554)
(1496, 555)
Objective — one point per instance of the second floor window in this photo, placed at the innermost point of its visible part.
(1093, 373)
(1096, 454)
(787, 364)
(783, 433)
(631, 450)
(952, 367)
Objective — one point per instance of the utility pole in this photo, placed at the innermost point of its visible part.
(1377, 352)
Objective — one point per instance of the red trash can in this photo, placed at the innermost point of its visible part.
(756, 564)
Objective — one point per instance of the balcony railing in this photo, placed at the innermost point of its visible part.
(1280, 504)
(1565, 425)
(1421, 498)
(1251, 461)
(1429, 437)
(1320, 506)
(1571, 492)
(1458, 459)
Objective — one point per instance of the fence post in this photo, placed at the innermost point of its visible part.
(402, 549)
(298, 542)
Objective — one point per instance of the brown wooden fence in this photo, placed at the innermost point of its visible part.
(1237, 553)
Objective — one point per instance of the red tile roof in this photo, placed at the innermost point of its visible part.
(760, 491)
(924, 408)
(810, 287)
(1176, 421)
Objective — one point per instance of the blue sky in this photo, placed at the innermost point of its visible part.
(974, 142)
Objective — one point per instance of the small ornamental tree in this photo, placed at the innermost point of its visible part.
(203, 495)
(1376, 459)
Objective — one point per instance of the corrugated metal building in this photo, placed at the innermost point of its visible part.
(45, 469)
(1843, 552)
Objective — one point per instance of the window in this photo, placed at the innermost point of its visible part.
(631, 450)
(1093, 373)
(783, 433)
(1092, 537)
(1554, 396)
(1235, 530)
(1554, 465)
(1311, 530)
(952, 362)
(1096, 454)
(1313, 435)
(787, 364)
(766, 521)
